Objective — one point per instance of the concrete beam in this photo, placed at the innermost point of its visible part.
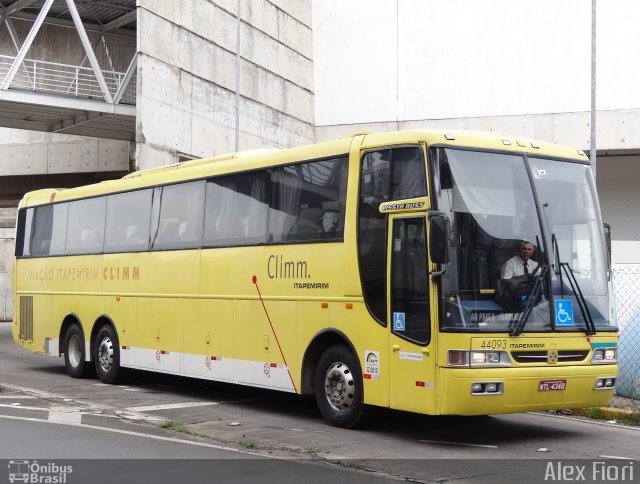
(78, 156)
(67, 102)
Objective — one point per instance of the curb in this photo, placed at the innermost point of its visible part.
(606, 413)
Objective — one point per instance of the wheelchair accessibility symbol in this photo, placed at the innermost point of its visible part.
(398, 321)
(564, 312)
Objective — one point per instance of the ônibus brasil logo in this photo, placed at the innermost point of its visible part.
(34, 472)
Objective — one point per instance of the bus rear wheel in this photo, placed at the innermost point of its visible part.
(107, 356)
(338, 387)
(74, 353)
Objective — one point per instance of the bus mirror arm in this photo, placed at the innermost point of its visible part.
(439, 240)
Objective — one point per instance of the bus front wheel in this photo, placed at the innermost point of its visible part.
(74, 353)
(338, 387)
(107, 356)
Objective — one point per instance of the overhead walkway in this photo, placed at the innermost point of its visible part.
(89, 98)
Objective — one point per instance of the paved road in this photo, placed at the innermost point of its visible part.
(138, 458)
(494, 449)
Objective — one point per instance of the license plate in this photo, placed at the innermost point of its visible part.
(552, 385)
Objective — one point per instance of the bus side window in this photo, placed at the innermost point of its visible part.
(85, 226)
(179, 223)
(127, 227)
(313, 195)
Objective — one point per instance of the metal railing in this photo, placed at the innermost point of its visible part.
(64, 79)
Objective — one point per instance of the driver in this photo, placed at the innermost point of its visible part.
(520, 264)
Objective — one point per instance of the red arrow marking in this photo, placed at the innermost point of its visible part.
(254, 279)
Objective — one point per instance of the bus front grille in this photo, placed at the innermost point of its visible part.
(564, 356)
(26, 318)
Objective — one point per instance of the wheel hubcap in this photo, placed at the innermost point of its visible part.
(339, 386)
(105, 355)
(75, 351)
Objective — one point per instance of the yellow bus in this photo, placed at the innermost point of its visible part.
(367, 271)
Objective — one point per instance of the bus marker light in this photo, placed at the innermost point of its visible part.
(420, 384)
(349, 306)
(324, 305)
(458, 358)
(125, 347)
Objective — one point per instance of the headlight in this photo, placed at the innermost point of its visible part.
(604, 355)
(478, 358)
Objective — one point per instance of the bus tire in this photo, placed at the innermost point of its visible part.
(74, 353)
(338, 387)
(107, 356)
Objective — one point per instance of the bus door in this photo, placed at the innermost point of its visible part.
(412, 356)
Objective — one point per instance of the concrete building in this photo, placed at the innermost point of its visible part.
(92, 90)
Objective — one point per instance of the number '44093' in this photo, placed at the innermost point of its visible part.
(494, 344)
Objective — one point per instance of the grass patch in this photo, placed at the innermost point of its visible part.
(175, 426)
(594, 412)
(248, 443)
(313, 450)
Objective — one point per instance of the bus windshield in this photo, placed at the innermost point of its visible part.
(526, 244)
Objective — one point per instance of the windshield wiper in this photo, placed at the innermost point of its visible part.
(590, 327)
(582, 302)
(516, 327)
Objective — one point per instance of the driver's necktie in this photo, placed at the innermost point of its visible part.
(526, 268)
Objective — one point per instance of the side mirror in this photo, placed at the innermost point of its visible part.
(439, 238)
